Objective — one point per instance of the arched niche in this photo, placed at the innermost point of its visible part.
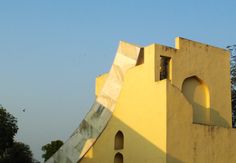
(118, 158)
(119, 141)
(197, 93)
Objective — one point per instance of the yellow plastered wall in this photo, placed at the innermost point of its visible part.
(137, 117)
(100, 80)
(157, 118)
(209, 64)
(195, 143)
(197, 93)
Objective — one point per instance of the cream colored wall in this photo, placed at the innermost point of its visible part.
(100, 80)
(157, 119)
(195, 143)
(142, 121)
(210, 64)
(189, 141)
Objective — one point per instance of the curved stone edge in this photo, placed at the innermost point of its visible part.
(97, 118)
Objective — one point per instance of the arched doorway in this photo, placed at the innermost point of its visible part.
(197, 93)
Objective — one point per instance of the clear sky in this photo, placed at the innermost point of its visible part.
(52, 50)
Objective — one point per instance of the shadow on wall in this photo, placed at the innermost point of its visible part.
(210, 114)
(136, 148)
(197, 93)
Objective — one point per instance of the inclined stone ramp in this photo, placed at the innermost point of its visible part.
(97, 118)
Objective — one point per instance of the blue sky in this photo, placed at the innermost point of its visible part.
(51, 52)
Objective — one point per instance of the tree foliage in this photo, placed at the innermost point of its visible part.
(233, 81)
(51, 148)
(11, 151)
(233, 87)
(18, 153)
(8, 129)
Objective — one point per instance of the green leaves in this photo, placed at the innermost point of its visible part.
(11, 151)
(18, 153)
(8, 129)
(51, 148)
(233, 81)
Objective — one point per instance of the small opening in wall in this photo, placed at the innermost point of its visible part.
(119, 140)
(164, 67)
(140, 58)
(118, 158)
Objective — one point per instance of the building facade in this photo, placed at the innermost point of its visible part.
(159, 104)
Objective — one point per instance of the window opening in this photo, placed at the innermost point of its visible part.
(164, 67)
(118, 158)
(119, 140)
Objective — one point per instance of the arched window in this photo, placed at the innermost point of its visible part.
(118, 158)
(197, 93)
(119, 140)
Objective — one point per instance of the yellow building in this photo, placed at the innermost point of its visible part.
(159, 105)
